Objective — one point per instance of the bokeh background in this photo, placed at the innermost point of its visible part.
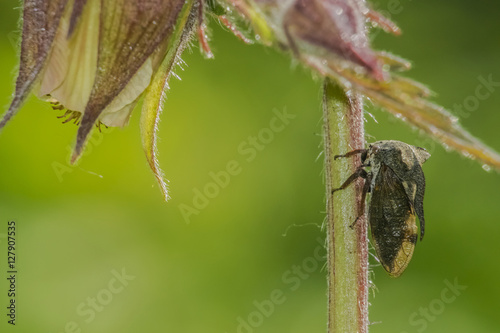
(79, 226)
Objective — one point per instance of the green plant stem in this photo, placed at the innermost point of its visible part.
(347, 248)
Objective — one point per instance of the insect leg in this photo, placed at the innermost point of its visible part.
(366, 189)
(360, 172)
(351, 153)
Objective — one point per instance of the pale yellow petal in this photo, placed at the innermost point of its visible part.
(117, 113)
(57, 66)
(119, 118)
(79, 61)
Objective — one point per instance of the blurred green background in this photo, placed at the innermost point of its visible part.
(79, 228)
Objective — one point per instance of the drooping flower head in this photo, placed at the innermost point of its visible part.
(95, 58)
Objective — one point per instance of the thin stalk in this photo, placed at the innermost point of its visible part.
(347, 248)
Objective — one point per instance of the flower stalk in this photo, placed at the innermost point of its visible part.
(347, 245)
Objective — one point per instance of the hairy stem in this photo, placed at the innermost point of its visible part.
(347, 247)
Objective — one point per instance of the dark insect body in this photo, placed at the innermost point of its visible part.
(397, 185)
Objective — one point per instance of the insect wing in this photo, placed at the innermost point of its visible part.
(408, 168)
(392, 222)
